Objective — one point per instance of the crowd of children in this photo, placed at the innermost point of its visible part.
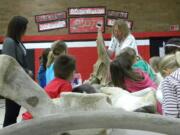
(128, 70)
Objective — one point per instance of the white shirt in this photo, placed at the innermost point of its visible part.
(116, 46)
(159, 94)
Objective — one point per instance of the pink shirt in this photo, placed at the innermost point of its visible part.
(133, 86)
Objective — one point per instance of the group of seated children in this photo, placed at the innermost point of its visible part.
(128, 71)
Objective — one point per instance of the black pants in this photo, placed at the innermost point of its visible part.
(11, 112)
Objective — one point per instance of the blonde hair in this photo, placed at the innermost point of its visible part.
(57, 48)
(171, 61)
(122, 26)
(154, 63)
(50, 59)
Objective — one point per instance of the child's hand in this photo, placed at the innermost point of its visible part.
(99, 26)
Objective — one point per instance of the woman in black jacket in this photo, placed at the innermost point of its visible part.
(13, 46)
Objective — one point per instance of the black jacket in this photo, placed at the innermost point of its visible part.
(16, 50)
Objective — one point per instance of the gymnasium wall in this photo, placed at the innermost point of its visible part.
(147, 15)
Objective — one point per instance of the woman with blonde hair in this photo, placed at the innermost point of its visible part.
(170, 69)
(121, 38)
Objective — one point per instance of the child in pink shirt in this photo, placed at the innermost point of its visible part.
(133, 86)
(123, 75)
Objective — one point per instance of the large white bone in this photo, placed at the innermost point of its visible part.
(16, 85)
(113, 118)
(83, 102)
(131, 101)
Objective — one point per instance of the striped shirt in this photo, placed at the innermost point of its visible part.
(171, 94)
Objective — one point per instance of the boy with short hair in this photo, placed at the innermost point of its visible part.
(64, 68)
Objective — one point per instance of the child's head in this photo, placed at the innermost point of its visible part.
(172, 46)
(154, 63)
(169, 63)
(64, 67)
(120, 29)
(59, 48)
(129, 54)
(84, 88)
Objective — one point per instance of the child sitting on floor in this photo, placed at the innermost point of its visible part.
(64, 68)
(125, 76)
